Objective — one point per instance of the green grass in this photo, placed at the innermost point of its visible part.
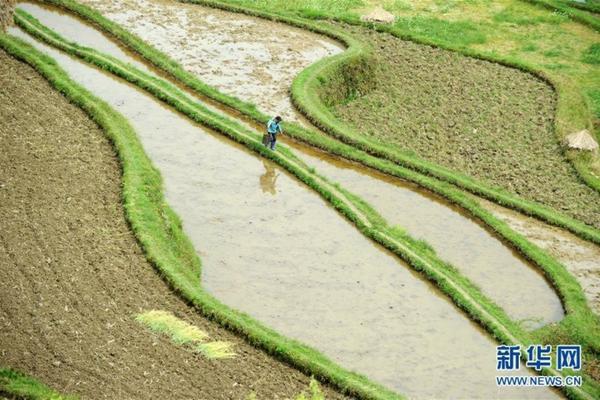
(463, 33)
(21, 386)
(592, 55)
(502, 45)
(159, 232)
(579, 325)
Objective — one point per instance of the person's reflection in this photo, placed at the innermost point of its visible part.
(268, 179)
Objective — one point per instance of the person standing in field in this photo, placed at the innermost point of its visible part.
(273, 129)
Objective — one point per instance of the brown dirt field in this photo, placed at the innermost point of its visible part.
(73, 276)
(6, 10)
(479, 118)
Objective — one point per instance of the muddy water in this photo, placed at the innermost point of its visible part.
(238, 54)
(504, 276)
(274, 249)
(81, 33)
(581, 258)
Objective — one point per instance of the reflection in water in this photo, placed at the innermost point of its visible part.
(269, 178)
(322, 283)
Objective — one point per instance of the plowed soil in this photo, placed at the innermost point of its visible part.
(73, 276)
(479, 118)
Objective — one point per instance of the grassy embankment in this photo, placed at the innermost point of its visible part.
(417, 254)
(355, 59)
(579, 11)
(544, 42)
(573, 112)
(580, 320)
(159, 231)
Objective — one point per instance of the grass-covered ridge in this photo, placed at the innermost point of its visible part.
(374, 157)
(516, 34)
(159, 232)
(488, 121)
(578, 326)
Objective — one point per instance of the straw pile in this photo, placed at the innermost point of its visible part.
(379, 15)
(581, 140)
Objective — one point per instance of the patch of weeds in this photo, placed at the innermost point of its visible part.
(553, 53)
(530, 47)
(555, 66)
(518, 16)
(183, 333)
(463, 33)
(315, 392)
(442, 6)
(592, 54)
(399, 5)
(594, 96)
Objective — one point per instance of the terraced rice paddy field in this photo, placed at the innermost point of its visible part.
(420, 209)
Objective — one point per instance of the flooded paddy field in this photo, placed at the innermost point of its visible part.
(456, 238)
(402, 204)
(317, 267)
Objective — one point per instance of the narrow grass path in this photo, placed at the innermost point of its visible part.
(357, 211)
(306, 91)
(160, 234)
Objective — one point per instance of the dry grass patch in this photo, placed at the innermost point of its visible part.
(183, 333)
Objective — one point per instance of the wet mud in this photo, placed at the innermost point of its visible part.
(73, 277)
(274, 249)
(580, 257)
(502, 274)
(237, 54)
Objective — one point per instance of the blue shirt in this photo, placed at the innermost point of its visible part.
(273, 127)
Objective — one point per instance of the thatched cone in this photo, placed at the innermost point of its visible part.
(581, 140)
(379, 15)
(6, 11)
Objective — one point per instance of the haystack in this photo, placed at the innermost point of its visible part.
(379, 15)
(581, 140)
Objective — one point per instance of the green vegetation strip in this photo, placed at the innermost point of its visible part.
(159, 232)
(577, 326)
(21, 386)
(580, 324)
(355, 58)
(311, 82)
(573, 10)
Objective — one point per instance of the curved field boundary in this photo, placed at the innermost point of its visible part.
(575, 10)
(159, 232)
(418, 256)
(363, 153)
(580, 324)
(305, 95)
